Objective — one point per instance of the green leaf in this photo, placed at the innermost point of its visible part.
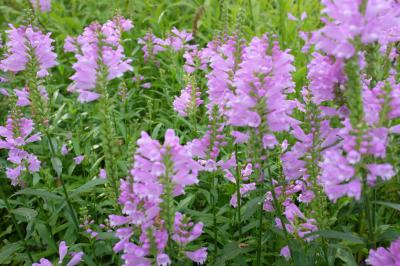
(156, 131)
(346, 257)
(88, 186)
(388, 204)
(25, 214)
(387, 233)
(57, 165)
(251, 207)
(185, 202)
(229, 252)
(46, 235)
(40, 193)
(346, 236)
(8, 250)
(9, 230)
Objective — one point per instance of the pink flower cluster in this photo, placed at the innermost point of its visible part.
(262, 83)
(177, 41)
(195, 59)
(160, 173)
(23, 44)
(17, 134)
(222, 61)
(188, 101)
(349, 22)
(339, 176)
(99, 53)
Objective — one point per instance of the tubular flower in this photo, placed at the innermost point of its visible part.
(385, 256)
(199, 256)
(16, 134)
(99, 53)
(160, 173)
(22, 97)
(26, 44)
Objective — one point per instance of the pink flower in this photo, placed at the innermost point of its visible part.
(146, 85)
(385, 256)
(42, 5)
(78, 159)
(76, 258)
(103, 174)
(43, 262)
(199, 256)
(385, 171)
(285, 252)
(23, 97)
(62, 250)
(240, 137)
(163, 260)
(64, 149)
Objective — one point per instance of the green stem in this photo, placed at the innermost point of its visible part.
(71, 210)
(259, 237)
(239, 201)
(277, 206)
(107, 135)
(65, 191)
(258, 153)
(14, 220)
(214, 213)
(168, 208)
(368, 215)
